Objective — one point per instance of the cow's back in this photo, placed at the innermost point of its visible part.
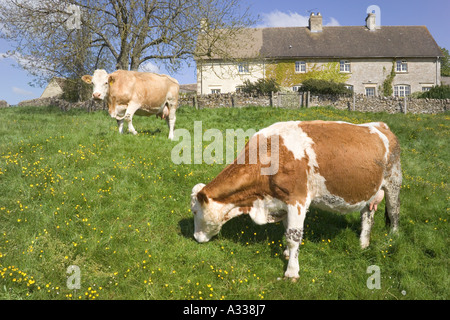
(144, 88)
(351, 158)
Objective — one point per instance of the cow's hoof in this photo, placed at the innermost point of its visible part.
(293, 279)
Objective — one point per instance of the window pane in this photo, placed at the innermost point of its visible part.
(402, 90)
(300, 66)
(243, 67)
(344, 66)
(370, 92)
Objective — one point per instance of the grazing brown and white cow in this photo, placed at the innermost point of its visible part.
(131, 92)
(333, 166)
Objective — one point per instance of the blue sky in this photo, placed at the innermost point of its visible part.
(14, 81)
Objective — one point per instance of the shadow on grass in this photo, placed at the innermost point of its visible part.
(318, 225)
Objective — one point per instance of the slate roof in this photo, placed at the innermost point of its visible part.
(336, 42)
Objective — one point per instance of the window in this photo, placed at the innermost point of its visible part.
(239, 89)
(296, 88)
(215, 91)
(344, 66)
(300, 66)
(401, 66)
(402, 90)
(370, 91)
(243, 67)
(426, 88)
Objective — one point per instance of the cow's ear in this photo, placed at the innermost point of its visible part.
(87, 78)
(202, 198)
(111, 80)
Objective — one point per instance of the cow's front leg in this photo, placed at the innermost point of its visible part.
(294, 233)
(132, 108)
(171, 120)
(120, 125)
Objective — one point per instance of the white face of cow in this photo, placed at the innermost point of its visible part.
(205, 219)
(100, 81)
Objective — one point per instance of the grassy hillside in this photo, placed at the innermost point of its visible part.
(75, 192)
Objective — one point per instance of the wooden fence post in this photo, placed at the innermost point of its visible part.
(308, 97)
(194, 102)
(354, 101)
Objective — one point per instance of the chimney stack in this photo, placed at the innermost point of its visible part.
(371, 22)
(315, 22)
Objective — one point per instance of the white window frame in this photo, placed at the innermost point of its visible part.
(243, 68)
(300, 67)
(215, 91)
(344, 66)
(402, 90)
(401, 66)
(373, 89)
(349, 87)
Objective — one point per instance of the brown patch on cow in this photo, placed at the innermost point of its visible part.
(245, 210)
(202, 198)
(394, 146)
(350, 158)
(242, 184)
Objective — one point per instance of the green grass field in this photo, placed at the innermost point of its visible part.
(75, 192)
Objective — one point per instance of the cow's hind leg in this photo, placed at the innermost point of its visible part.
(392, 190)
(294, 233)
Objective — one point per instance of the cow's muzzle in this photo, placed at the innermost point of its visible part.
(201, 237)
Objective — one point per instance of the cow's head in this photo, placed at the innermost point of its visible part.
(101, 81)
(207, 221)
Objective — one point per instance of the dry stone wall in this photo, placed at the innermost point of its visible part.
(294, 100)
(299, 100)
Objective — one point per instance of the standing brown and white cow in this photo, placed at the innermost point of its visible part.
(131, 92)
(334, 166)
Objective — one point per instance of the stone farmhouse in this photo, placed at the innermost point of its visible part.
(369, 59)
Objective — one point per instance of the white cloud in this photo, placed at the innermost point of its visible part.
(281, 19)
(149, 67)
(332, 23)
(21, 92)
(291, 19)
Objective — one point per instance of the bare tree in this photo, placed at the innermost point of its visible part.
(72, 37)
